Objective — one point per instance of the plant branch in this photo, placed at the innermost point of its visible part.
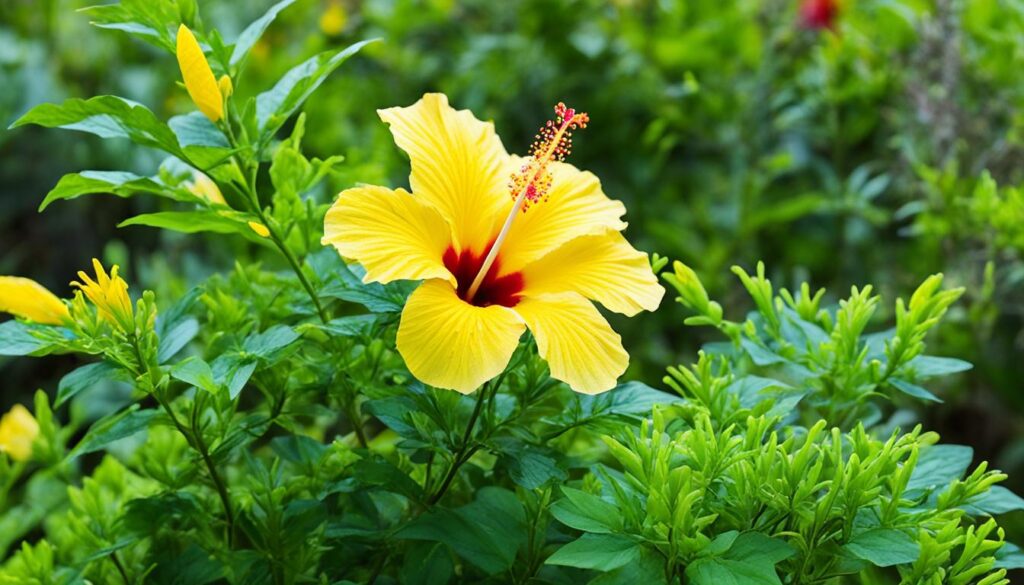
(466, 450)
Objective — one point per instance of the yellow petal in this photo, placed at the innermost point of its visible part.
(260, 229)
(459, 166)
(604, 268)
(575, 206)
(199, 80)
(30, 300)
(18, 429)
(580, 347)
(449, 343)
(391, 233)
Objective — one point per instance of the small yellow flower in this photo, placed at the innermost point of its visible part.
(333, 19)
(109, 294)
(204, 187)
(260, 229)
(199, 80)
(501, 243)
(18, 429)
(30, 300)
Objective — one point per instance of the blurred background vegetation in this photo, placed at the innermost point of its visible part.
(861, 142)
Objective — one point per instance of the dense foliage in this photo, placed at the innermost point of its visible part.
(245, 416)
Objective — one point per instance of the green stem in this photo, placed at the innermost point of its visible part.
(254, 202)
(120, 568)
(465, 449)
(194, 439)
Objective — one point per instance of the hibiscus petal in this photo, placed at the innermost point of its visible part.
(459, 166)
(578, 343)
(604, 268)
(392, 234)
(28, 299)
(575, 206)
(449, 343)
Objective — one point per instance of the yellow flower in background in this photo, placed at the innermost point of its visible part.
(18, 429)
(30, 300)
(109, 294)
(202, 86)
(260, 229)
(333, 19)
(225, 86)
(501, 243)
(204, 187)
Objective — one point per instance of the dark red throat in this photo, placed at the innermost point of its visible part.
(494, 290)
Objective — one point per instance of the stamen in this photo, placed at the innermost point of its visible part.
(532, 181)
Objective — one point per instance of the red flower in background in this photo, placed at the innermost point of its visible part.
(818, 14)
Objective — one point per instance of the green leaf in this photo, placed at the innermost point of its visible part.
(178, 510)
(274, 106)
(106, 116)
(531, 468)
(119, 183)
(913, 390)
(939, 465)
(178, 337)
(426, 563)
(143, 19)
(269, 343)
(750, 559)
(114, 428)
(203, 143)
(648, 569)
(1009, 556)
(930, 366)
(486, 532)
(195, 129)
(254, 31)
(350, 326)
(233, 370)
(84, 378)
(586, 512)
(601, 552)
(18, 338)
(997, 500)
(193, 566)
(195, 372)
(190, 222)
(759, 355)
(884, 547)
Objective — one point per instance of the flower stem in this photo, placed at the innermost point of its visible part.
(466, 450)
(249, 185)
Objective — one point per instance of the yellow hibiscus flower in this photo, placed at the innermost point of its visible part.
(501, 243)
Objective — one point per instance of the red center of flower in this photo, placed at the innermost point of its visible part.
(494, 290)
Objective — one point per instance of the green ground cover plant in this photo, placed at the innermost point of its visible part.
(360, 396)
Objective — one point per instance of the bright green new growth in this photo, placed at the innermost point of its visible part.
(261, 428)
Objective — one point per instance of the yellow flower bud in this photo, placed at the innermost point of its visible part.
(225, 86)
(260, 229)
(199, 80)
(18, 429)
